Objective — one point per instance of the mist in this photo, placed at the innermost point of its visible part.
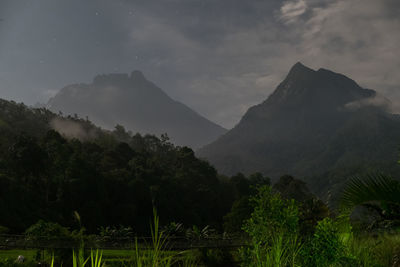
(70, 129)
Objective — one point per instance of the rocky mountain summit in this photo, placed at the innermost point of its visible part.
(314, 123)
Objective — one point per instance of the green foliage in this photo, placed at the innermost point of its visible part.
(12, 263)
(108, 182)
(174, 229)
(311, 212)
(326, 247)
(240, 211)
(280, 251)
(95, 260)
(275, 239)
(53, 232)
(272, 215)
(79, 235)
(376, 191)
(200, 233)
(157, 256)
(113, 233)
(47, 230)
(273, 231)
(78, 260)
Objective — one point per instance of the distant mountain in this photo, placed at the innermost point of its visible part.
(138, 105)
(319, 126)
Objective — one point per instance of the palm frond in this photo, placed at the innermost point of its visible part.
(373, 188)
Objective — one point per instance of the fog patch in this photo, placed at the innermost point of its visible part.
(374, 101)
(72, 129)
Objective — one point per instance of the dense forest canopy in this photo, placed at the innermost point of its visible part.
(52, 165)
(112, 178)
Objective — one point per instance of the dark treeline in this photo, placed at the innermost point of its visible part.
(114, 178)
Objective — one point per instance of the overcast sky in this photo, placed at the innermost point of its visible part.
(217, 56)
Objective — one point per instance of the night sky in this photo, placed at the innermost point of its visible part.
(217, 56)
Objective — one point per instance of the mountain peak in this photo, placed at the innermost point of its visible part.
(300, 69)
(296, 83)
(300, 66)
(324, 88)
(314, 123)
(138, 104)
(137, 75)
(119, 79)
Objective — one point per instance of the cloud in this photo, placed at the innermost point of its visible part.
(375, 101)
(49, 93)
(218, 57)
(71, 129)
(291, 10)
(357, 38)
(210, 68)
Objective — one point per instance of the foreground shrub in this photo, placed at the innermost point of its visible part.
(273, 231)
(325, 247)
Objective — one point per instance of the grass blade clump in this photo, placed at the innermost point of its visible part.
(158, 254)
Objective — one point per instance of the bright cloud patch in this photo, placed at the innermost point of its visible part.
(291, 10)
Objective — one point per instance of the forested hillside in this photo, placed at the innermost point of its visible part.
(110, 178)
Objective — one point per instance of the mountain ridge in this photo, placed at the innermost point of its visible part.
(306, 128)
(138, 104)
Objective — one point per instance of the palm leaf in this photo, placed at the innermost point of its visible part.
(373, 188)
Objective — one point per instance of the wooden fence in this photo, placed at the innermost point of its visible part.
(97, 242)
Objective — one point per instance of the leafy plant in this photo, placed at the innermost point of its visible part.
(174, 229)
(46, 230)
(79, 235)
(156, 256)
(96, 259)
(112, 233)
(272, 216)
(325, 247)
(376, 191)
(273, 230)
(199, 233)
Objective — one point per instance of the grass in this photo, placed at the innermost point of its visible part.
(13, 254)
(108, 254)
(361, 249)
(158, 255)
(382, 250)
(280, 252)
